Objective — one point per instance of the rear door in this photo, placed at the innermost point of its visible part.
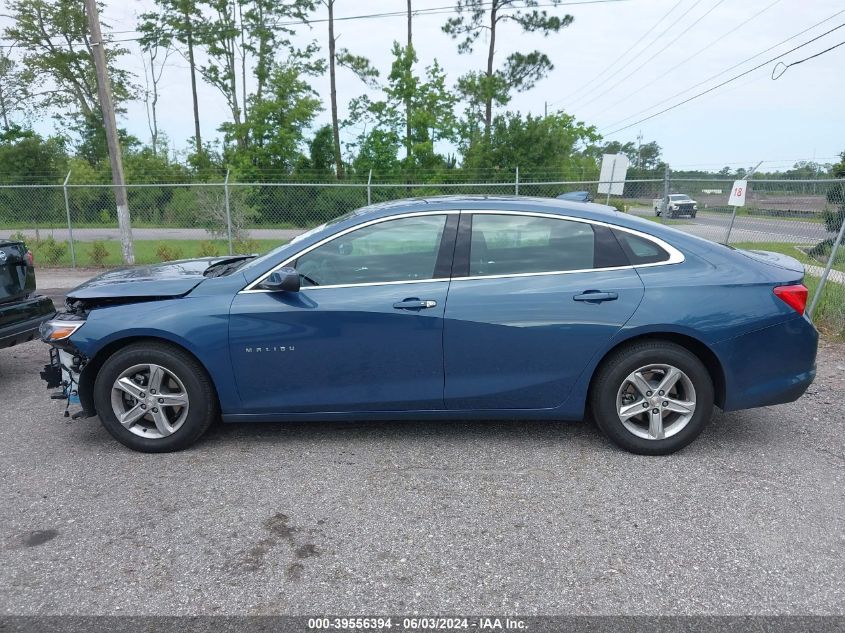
(533, 298)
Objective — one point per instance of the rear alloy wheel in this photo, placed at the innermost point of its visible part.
(652, 398)
(154, 397)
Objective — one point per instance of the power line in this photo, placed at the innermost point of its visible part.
(634, 57)
(442, 10)
(726, 70)
(694, 55)
(611, 64)
(800, 61)
(630, 74)
(717, 86)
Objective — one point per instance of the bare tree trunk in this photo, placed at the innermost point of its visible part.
(243, 59)
(338, 160)
(3, 111)
(190, 40)
(488, 97)
(408, 98)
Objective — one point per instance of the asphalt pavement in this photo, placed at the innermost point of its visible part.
(426, 517)
(713, 226)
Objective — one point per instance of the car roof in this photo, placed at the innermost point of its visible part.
(487, 203)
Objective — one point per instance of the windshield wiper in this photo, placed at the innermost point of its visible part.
(225, 267)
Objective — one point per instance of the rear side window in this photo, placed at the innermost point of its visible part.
(640, 250)
(521, 244)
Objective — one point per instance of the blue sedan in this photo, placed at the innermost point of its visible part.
(451, 307)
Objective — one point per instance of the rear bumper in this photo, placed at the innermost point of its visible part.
(771, 366)
(19, 321)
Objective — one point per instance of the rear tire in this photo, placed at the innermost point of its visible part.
(163, 395)
(666, 410)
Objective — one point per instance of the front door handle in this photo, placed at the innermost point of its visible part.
(415, 304)
(596, 296)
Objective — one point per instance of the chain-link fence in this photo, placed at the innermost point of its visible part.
(800, 218)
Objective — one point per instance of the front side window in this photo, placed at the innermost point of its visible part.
(514, 244)
(405, 249)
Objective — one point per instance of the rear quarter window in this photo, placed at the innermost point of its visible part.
(641, 250)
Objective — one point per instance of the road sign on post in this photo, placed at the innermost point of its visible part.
(737, 198)
(614, 169)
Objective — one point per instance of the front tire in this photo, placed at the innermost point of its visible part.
(154, 397)
(652, 397)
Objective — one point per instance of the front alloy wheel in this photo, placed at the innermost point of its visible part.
(154, 397)
(652, 397)
(150, 401)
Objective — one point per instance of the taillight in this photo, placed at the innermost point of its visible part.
(795, 296)
(30, 258)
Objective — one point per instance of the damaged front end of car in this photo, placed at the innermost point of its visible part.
(66, 362)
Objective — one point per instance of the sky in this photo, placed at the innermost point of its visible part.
(599, 77)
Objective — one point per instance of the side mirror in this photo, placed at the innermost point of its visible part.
(284, 279)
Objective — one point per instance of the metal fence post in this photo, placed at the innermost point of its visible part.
(516, 182)
(665, 204)
(228, 212)
(369, 187)
(832, 258)
(69, 225)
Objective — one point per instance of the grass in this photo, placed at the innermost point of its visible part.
(146, 251)
(829, 315)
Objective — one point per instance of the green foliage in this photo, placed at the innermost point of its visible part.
(57, 62)
(276, 125)
(521, 71)
(167, 252)
(207, 248)
(246, 246)
(553, 142)
(98, 253)
(49, 251)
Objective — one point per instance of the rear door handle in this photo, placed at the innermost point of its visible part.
(596, 296)
(415, 304)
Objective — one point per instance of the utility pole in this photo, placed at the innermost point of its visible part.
(639, 146)
(107, 106)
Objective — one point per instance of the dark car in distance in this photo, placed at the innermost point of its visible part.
(21, 310)
(576, 196)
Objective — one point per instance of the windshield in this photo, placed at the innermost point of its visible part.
(679, 196)
(270, 254)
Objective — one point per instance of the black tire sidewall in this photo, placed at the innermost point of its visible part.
(202, 401)
(617, 367)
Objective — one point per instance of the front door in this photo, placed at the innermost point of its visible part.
(365, 332)
(532, 299)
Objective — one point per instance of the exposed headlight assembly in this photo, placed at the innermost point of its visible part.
(59, 330)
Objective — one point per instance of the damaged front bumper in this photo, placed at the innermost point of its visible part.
(63, 371)
(66, 362)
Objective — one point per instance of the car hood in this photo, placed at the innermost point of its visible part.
(170, 279)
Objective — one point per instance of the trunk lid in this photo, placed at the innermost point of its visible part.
(778, 260)
(17, 278)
